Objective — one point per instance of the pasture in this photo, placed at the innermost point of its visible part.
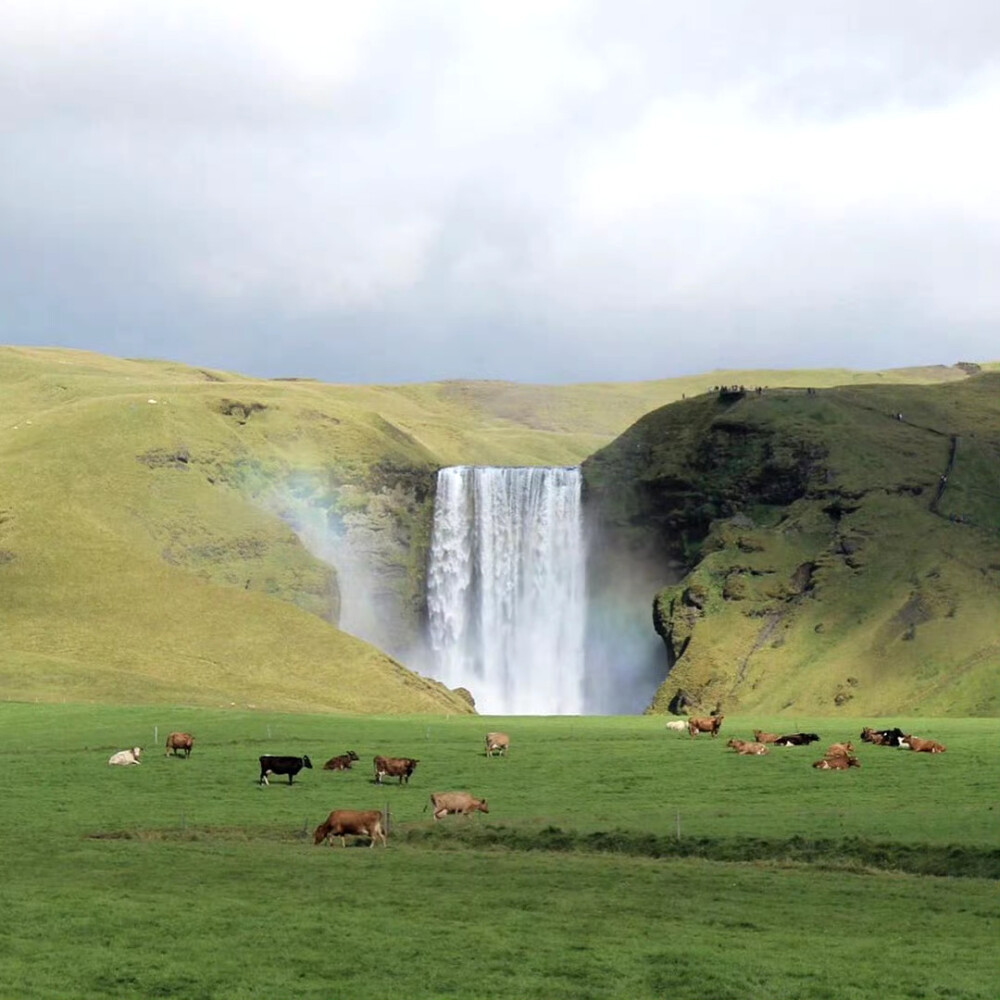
(618, 860)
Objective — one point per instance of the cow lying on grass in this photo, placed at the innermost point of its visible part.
(126, 757)
(677, 725)
(922, 746)
(712, 724)
(341, 763)
(346, 823)
(882, 737)
(761, 737)
(796, 740)
(456, 802)
(837, 763)
(840, 750)
(747, 749)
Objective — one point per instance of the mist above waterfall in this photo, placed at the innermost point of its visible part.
(506, 594)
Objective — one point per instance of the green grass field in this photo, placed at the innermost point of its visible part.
(597, 872)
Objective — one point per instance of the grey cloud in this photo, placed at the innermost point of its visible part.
(595, 191)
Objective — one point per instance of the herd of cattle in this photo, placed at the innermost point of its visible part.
(839, 757)
(343, 823)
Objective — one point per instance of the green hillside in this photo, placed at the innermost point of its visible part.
(827, 551)
(146, 508)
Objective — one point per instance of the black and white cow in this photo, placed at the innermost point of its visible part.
(282, 765)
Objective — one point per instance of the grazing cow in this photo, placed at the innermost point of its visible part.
(762, 737)
(126, 757)
(282, 765)
(923, 746)
(456, 802)
(840, 749)
(678, 725)
(839, 763)
(394, 767)
(797, 740)
(747, 749)
(882, 737)
(179, 741)
(711, 724)
(341, 763)
(497, 743)
(346, 823)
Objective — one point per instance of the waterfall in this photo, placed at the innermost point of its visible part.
(506, 591)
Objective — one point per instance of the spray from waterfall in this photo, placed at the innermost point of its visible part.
(506, 594)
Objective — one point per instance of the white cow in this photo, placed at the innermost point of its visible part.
(678, 725)
(126, 756)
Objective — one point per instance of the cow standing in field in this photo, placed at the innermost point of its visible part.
(272, 764)
(346, 823)
(394, 767)
(179, 741)
(126, 757)
(456, 802)
(498, 743)
(711, 724)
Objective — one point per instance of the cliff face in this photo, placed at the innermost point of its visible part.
(824, 551)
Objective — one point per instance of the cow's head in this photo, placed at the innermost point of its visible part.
(306, 762)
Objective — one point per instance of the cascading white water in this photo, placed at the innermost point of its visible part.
(506, 588)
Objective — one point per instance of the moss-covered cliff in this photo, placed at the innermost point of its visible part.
(832, 550)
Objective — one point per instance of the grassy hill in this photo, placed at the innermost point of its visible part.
(831, 551)
(152, 519)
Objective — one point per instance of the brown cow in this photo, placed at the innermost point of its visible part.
(394, 767)
(762, 737)
(923, 746)
(840, 749)
(837, 763)
(456, 802)
(712, 725)
(179, 741)
(747, 749)
(499, 742)
(341, 763)
(346, 823)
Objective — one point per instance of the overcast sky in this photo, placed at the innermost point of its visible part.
(537, 191)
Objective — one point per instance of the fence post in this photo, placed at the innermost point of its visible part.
(678, 824)
(156, 736)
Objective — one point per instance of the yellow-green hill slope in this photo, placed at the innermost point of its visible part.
(146, 551)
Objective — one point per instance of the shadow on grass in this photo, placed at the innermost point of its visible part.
(844, 854)
(852, 853)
